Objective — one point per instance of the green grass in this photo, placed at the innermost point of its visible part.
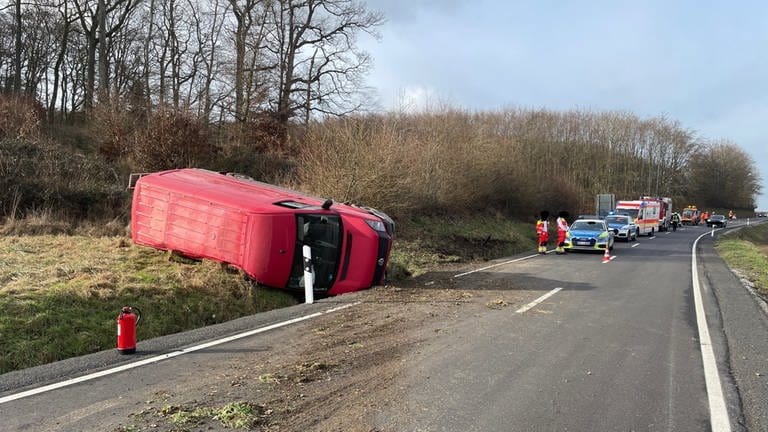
(746, 250)
(60, 295)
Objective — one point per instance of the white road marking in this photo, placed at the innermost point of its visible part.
(718, 413)
(636, 244)
(538, 300)
(161, 357)
(496, 265)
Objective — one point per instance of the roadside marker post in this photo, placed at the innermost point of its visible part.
(309, 296)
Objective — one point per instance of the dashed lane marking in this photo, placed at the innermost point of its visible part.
(538, 300)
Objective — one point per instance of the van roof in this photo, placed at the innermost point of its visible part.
(240, 192)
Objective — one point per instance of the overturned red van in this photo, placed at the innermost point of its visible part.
(261, 229)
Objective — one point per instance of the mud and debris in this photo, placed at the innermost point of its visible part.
(340, 376)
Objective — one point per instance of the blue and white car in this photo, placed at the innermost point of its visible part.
(589, 234)
(623, 227)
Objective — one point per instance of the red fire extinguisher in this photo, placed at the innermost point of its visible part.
(126, 329)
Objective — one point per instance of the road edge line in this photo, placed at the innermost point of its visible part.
(718, 412)
(496, 265)
(155, 359)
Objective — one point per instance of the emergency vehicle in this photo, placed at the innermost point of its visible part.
(262, 229)
(645, 213)
(665, 211)
(690, 216)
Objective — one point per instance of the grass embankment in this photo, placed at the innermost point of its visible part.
(424, 243)
(746, 250)
(60, 294)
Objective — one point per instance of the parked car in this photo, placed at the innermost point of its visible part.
(717, 220)
(623, 227)
(589, 234)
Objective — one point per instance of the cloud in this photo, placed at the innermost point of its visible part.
(403, 11)
(419, 98)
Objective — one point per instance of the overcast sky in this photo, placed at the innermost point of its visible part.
(703, 63)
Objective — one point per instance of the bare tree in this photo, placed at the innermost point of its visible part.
(318, 64)
(208, 27)
(247, 14)
(63, 35)
(94, 20)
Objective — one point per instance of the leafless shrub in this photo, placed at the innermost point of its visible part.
(20, 118)
(356, 160)
(516, 161)
(39, 175)
(430, 162)
(259, 148)
(112, 129)
(171, 139)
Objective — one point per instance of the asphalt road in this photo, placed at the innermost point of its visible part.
(616, 348)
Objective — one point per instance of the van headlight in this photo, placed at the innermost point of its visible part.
(376, 225)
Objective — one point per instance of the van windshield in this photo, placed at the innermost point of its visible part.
(322, 233)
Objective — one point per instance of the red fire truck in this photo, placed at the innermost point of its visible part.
(261, 229)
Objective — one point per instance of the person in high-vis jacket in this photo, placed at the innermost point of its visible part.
(675, 221)
(562, 232)
(542, 231)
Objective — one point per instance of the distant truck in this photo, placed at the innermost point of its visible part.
(261, 229)
(645, 213)
(690, 216)
(604, 204)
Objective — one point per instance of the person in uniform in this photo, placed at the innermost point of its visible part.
(542, 231)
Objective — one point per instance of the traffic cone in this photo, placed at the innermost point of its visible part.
(606, 255)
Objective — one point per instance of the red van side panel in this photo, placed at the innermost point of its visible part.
(181, 222)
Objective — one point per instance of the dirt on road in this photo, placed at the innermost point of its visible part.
(339, 376)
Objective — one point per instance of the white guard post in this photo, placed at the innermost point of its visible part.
(309, 294)
(713, 230)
